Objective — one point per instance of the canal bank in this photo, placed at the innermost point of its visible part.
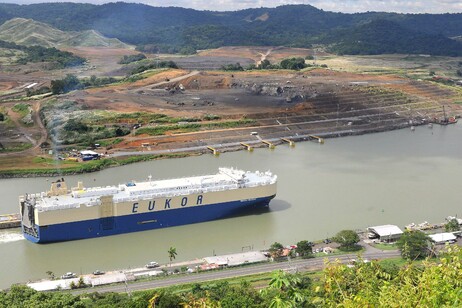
(347, 183)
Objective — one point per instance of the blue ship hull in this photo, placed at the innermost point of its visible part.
(143, 221)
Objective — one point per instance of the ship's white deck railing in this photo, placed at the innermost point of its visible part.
(169, 194)
(44, 207)
(49, 205)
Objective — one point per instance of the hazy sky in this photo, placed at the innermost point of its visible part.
(347, 6)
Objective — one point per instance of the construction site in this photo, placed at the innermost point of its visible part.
(211, 110)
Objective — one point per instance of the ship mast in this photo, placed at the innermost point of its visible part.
(445, 118)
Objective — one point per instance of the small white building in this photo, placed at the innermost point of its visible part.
(385, 233)
(443, 238)
(237, 259)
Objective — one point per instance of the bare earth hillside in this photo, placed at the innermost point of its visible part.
(184, 109)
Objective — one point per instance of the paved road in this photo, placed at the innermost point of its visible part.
(300, 265)
(161, 83)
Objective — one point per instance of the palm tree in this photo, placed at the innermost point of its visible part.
(51, 275)
(172, 254)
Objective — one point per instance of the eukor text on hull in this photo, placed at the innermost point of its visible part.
(62, 215)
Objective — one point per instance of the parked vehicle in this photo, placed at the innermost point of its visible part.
(98, 272)
(68, 275)
(152, 264)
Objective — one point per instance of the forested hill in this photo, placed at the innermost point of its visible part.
(179, 29)
(393, 38)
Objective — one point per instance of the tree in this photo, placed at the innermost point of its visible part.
(81, 283)
(232, 67)
(243, 295)
(69, 83)
(51, 275)
(172, 254)
(287, 285)
(348, 240)
(423, 284)
(57, 86)
(131, 58)
(452, 225)
(414, 245)
(74, 125)
(293, 63)
(2, 117)
(264, 64)
(276, 250)
(168, 300)
(304, 249)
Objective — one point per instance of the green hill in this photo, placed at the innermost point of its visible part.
(29, 32)
(388, 37)
(173, 28)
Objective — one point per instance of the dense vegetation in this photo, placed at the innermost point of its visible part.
(131, 58)
(383, 36)
(414, 245)
(432, 283)
(288, 63)
(69, 123)
(153, 65)
(232, 67)
(170, 29)
(60, 59)
(67, 84)
(71, 82)
(293, 63)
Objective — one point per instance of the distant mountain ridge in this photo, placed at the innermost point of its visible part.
(289, 25)
(29, 32)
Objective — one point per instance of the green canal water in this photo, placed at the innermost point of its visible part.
(396, 177)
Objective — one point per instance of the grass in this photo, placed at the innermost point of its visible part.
(41, 159)
(108, 142)
(16, 147)
(399, 262)
(191, 127)
(383, 246)
(142, 75)
(22, 109)
(64, 167)
(135, 117)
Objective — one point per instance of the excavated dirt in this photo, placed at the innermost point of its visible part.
(280, 103)
(283, 104)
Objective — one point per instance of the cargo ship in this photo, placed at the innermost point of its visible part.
(79, 213)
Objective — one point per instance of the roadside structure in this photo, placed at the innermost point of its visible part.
(385, 233)
(443, 238)
(236, 259)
